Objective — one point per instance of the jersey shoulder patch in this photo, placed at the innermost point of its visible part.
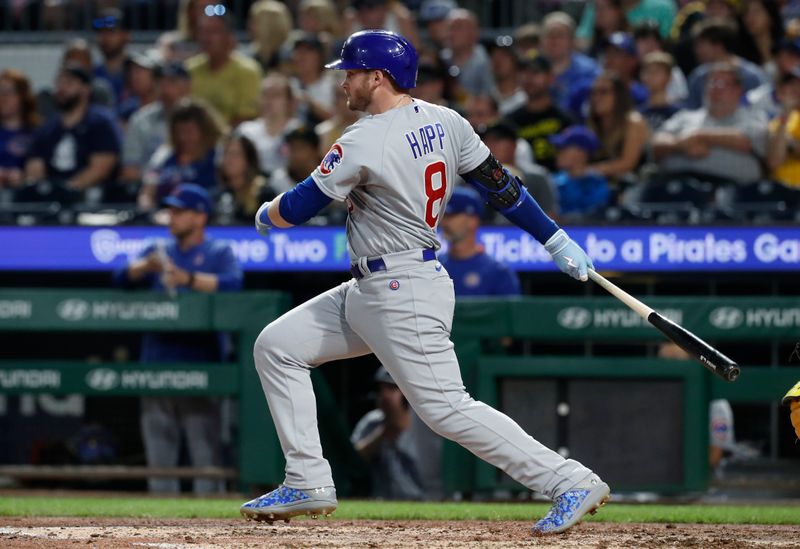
(332, 159)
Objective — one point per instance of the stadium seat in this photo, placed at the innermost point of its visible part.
(698, 193)
(758, 202)
(46, 191)
(34, 213)
(666, 202)
(109, 214)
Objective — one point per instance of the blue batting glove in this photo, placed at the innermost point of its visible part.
(569, 257)
(263, 224)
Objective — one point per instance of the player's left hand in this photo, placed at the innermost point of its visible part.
(263, 224)
(569, 257)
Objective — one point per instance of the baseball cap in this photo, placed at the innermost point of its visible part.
(536, 62)
(77, 71)
(382, 376)
(359, 4)
(504, 42)
(501, 41)
(189, 196)
(109, 18)
(145, 61)
(304, 134)
(175, 69)
(622, 41)
(576, 136)
(464, 200)
(435, 10)
(501, 130)
(308, 39)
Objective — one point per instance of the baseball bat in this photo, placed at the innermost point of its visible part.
(161, 250)
(698, 349)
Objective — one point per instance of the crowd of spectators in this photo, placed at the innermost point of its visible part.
(630, 110)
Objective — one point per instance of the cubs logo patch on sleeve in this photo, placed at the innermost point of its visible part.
(332, 159)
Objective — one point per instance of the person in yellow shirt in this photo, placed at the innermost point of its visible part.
(228, 80)
(783, 150)
(792, 398)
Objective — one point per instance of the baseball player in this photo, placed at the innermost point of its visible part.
(192, 262)
(396, 169)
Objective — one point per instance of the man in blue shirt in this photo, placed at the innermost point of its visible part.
(76, 150)
(474, 273)
(191, 262)
(112, 38)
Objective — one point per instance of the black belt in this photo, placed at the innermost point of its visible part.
(375, 265)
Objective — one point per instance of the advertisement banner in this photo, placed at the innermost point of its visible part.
(102, 310)
(728, 318)
(625, 249)
(118, 379)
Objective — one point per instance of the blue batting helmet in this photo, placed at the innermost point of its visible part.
(380, 49)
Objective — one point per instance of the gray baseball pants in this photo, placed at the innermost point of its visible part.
(404, 315)
(164, 419)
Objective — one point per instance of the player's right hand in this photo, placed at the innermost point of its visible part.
(263, 224)
(153, 262)
(569, 257)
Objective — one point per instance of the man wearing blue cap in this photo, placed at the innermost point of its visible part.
(474, 273)
(190, 262)
(112, 37)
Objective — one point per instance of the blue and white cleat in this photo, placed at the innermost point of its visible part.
(570, 507)
(284, 503)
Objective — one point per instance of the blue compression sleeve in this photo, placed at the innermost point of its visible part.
(528, 215)
(303, 202)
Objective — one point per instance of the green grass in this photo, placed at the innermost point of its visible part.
(145, 507)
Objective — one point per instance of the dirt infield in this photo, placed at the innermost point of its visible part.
(203, 533)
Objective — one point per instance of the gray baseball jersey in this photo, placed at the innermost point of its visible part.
(396, 171)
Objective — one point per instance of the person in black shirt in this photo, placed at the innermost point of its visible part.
(539, 118)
